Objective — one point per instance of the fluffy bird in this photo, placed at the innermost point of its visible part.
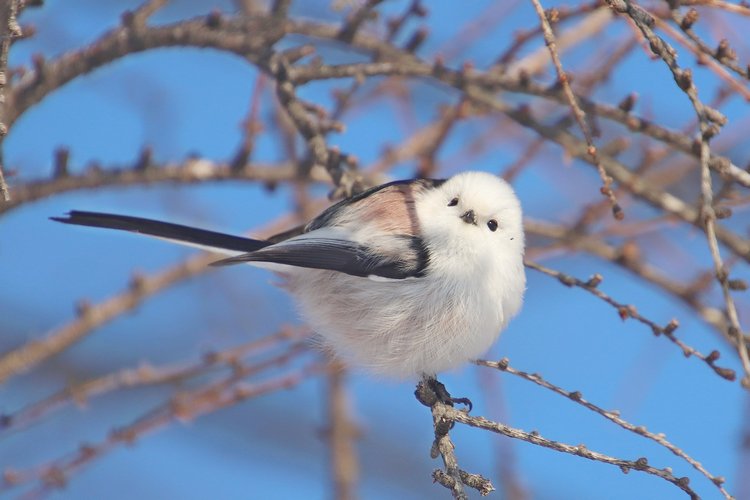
(407, 279)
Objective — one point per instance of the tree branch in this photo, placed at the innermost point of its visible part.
(9, 30)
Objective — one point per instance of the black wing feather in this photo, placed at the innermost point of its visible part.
(162, 230)
(339, 255)
(408, 258)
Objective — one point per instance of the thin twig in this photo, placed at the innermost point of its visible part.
(342, 433)
(623, 257)
(711, 62)
(629, 311)
(724, 55)
(722, 275)
(641, 464)
(144, 374)
(453, 477)
(612, 416)
(721, 4)
(9, 30)
(190, 171)
(580, 116)
(91, 316)
(710, 120)
(186, 406)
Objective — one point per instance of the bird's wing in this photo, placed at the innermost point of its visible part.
(374, 234)
(201, 238)
(389, 207)
(406, 257)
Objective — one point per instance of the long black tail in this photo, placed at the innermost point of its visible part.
(224, 243)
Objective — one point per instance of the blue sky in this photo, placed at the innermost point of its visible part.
(184, 102)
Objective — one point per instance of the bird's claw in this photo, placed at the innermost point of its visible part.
(430, 390)
(463, 401)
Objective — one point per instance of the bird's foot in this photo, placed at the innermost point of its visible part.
(430, 391)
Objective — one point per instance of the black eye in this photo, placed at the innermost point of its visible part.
(453, 202)
(492, 224)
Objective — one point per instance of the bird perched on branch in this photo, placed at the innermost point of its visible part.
(406, 279)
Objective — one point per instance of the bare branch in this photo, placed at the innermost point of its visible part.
(190, 171)
(185, 406)
(342, 433)
(453, 477)
(578, 114)
(144, 374)
(613, 416)
(9, 30)
(629, 311)
(709, 120)
(641, 464)
(444, 416)
(91, 316)
(623, 257)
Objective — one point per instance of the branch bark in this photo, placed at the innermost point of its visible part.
(9, 29)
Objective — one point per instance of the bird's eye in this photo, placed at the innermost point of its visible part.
(453, 202)
(492, 224)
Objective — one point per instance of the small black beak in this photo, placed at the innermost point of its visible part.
(469, 217)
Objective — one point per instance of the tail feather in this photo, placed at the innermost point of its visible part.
(211, 240)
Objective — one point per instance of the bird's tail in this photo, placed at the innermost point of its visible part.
(185, 235)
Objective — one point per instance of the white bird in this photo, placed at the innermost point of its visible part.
(407, 279)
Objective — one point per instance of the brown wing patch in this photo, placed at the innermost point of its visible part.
(389, 207)
(392, 208)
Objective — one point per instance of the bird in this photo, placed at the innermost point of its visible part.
(407, 279)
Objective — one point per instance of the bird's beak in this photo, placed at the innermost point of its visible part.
(469, 217)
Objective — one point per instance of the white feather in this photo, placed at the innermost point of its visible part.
(473, 286)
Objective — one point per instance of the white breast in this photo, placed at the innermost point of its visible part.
(400, 328)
